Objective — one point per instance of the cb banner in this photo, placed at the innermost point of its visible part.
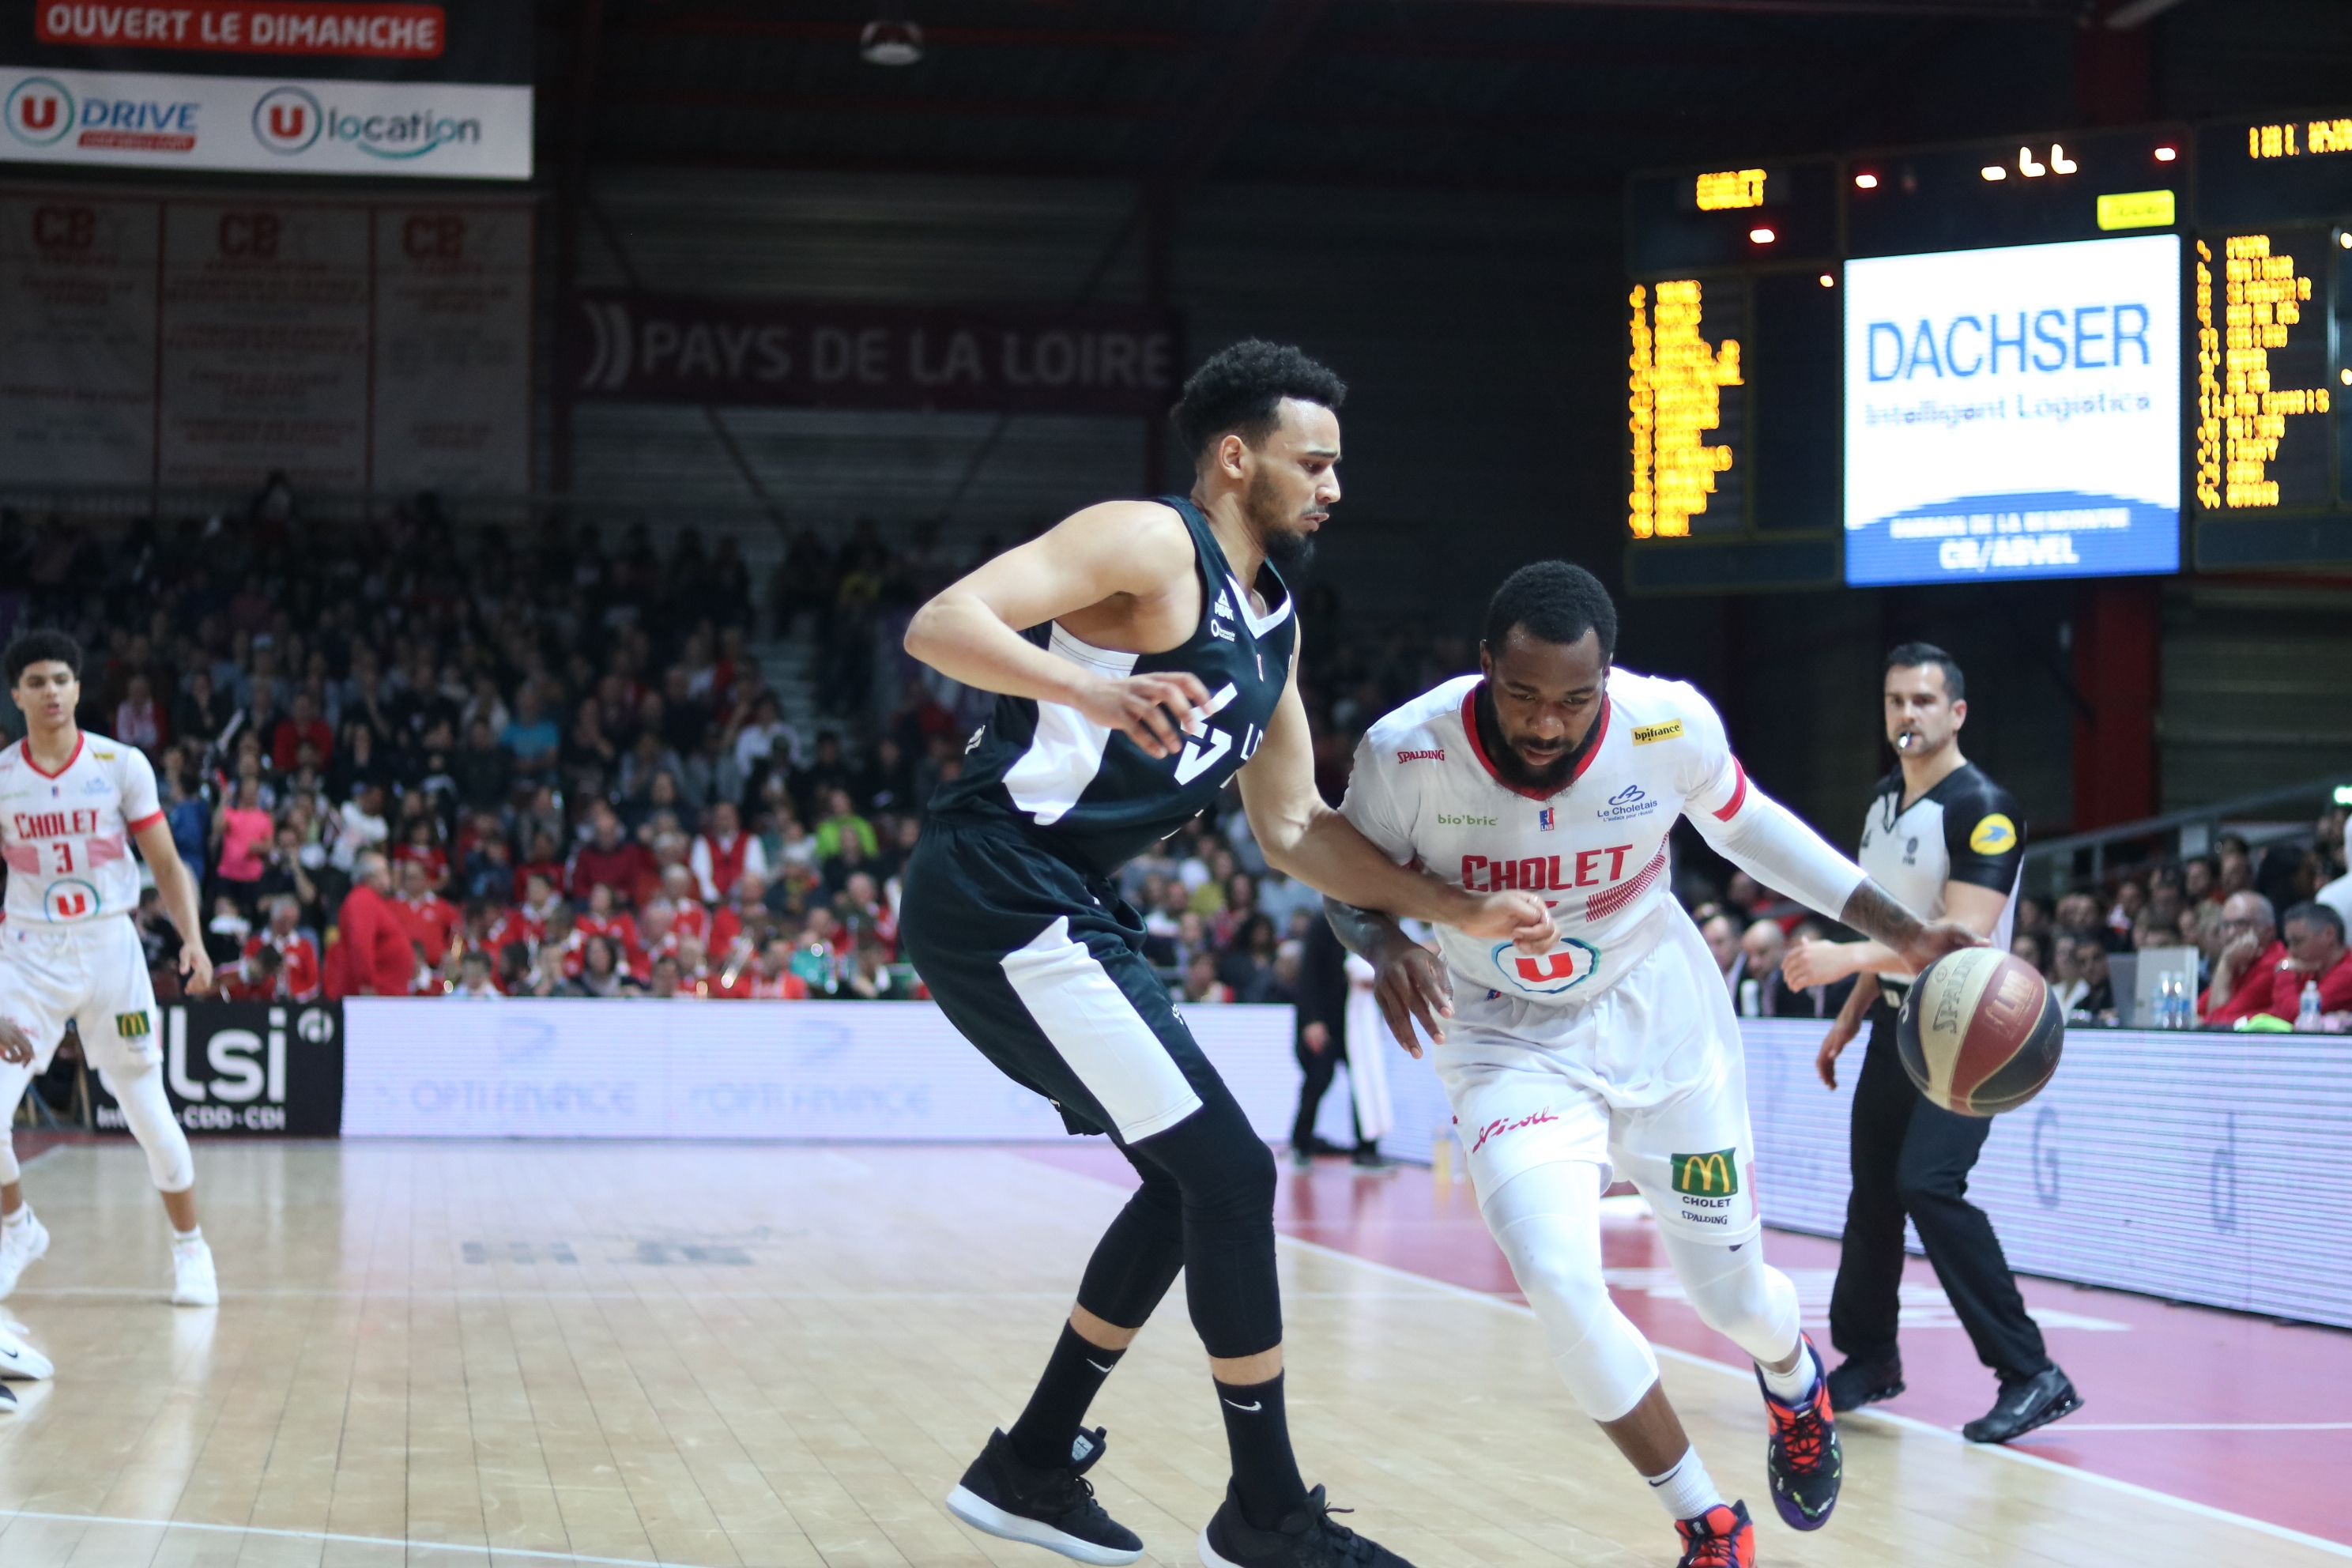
(272, 1069)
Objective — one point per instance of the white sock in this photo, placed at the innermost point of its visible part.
(1686, 1489)
(187, 1238)
(23, 1216)
(1791, 1387)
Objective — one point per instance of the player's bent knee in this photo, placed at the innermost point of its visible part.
(1738, 1295)
(149, 1116)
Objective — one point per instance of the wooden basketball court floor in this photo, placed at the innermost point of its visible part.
(511, 1353)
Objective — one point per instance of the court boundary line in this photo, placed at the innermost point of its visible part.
(1990, 1450)
(487, 1551)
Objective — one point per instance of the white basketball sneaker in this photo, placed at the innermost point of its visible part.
(19, 1360)
(194, 1283)
(20, 1245)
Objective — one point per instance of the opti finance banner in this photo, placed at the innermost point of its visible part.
(656, 348)
(201, 343)
(341, 87)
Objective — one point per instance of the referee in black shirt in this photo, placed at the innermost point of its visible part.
(1946, 841)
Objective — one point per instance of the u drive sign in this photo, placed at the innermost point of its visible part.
(655, 347)
(270, 1068)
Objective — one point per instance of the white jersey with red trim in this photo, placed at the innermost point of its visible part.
(1424, 791)
(66, 837)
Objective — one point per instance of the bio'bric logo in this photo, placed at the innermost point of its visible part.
(287, 121)
(40, 111)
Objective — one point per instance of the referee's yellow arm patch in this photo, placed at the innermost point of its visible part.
(1994, 835)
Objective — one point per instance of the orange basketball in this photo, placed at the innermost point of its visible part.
(1979, 1032)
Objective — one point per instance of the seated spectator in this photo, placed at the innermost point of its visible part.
(474, 980)
(297, 958)
(200, 713)
(1722, 937)
(723, 853)
(816, 957)
(1246, 964)
(773, 978)
(601, 973)
(1762, 946)
(689, 916)
(664, 983)
(359, 826)
(537, 906)
(2245, 970)
(2095, 1003)
(420, 844)
(489, 868)
(483, 770)
(259, 976)
(841, 818)
(361, 762)
(300, 726)
(744, 907)
(1201, 982)
(138, 721)
(530, 736)
(601, 918)
(590, 758)
(609, 859)
(2315, 956)
(2201, 880)
(544, 862)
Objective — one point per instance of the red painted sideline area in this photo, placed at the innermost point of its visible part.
(2161, 1383)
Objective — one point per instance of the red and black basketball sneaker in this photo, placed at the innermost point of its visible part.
(1722, 1537)
(1803, 1461)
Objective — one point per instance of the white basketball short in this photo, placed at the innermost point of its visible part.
(1646, 1080)
(95, 975)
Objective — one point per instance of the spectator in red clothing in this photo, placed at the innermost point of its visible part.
(302, 724)
(370, 954)
(609, 859)
(544, 862)
(2316, 954)
(744, 907)
(259, 976)
(2245, 971)
(429, 918)
(724, 853)
(420, 845)
(689, 916)
(298, 960)
(539, 903)
(602, 919)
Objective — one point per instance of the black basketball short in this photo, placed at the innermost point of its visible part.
(1041, 966)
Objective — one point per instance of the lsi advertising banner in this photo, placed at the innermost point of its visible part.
(248, 1068)
(340, 87)
(2014, 413)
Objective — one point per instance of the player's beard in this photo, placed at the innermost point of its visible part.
(1550, 780)
(1289, 548)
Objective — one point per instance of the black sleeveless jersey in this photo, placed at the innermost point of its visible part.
(1090, 795)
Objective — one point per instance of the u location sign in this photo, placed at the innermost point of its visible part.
(343, 87)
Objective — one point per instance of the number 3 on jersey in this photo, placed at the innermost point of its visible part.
(64, 852)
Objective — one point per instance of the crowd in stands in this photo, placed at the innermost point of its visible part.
(404, 760)
(2263, 928)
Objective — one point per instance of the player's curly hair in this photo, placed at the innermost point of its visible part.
(1240, 387)
(1556, 602)
(39, 646)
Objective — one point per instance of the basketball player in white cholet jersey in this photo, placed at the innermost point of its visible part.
(71, 804)
(1616, 1052)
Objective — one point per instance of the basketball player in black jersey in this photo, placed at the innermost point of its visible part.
(1145, 653)
(1945, 838)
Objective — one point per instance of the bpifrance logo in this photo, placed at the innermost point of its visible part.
(40, 111)
(1563, 969)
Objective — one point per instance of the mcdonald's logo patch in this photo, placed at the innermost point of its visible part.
(1715, 1175)
(132, 1025)
(1645, 733)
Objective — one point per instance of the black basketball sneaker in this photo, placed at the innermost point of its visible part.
(1803, 1461)
(1054, 1507)
(1857, 1382)
(2022, 1406)
(1307, 1538)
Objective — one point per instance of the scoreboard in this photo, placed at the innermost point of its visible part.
(2089, 354)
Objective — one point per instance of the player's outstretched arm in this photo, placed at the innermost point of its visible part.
(972, 630)
(1409, 981)
(1303, 837)
(1970, 914)
(179, 893)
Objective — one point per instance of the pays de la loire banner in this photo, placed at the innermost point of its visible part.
(1080, 359)
(340, 87)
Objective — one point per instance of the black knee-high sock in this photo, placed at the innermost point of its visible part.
(1257, 1430)
(1049, 1425)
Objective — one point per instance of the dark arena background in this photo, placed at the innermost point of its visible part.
(490, 455)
